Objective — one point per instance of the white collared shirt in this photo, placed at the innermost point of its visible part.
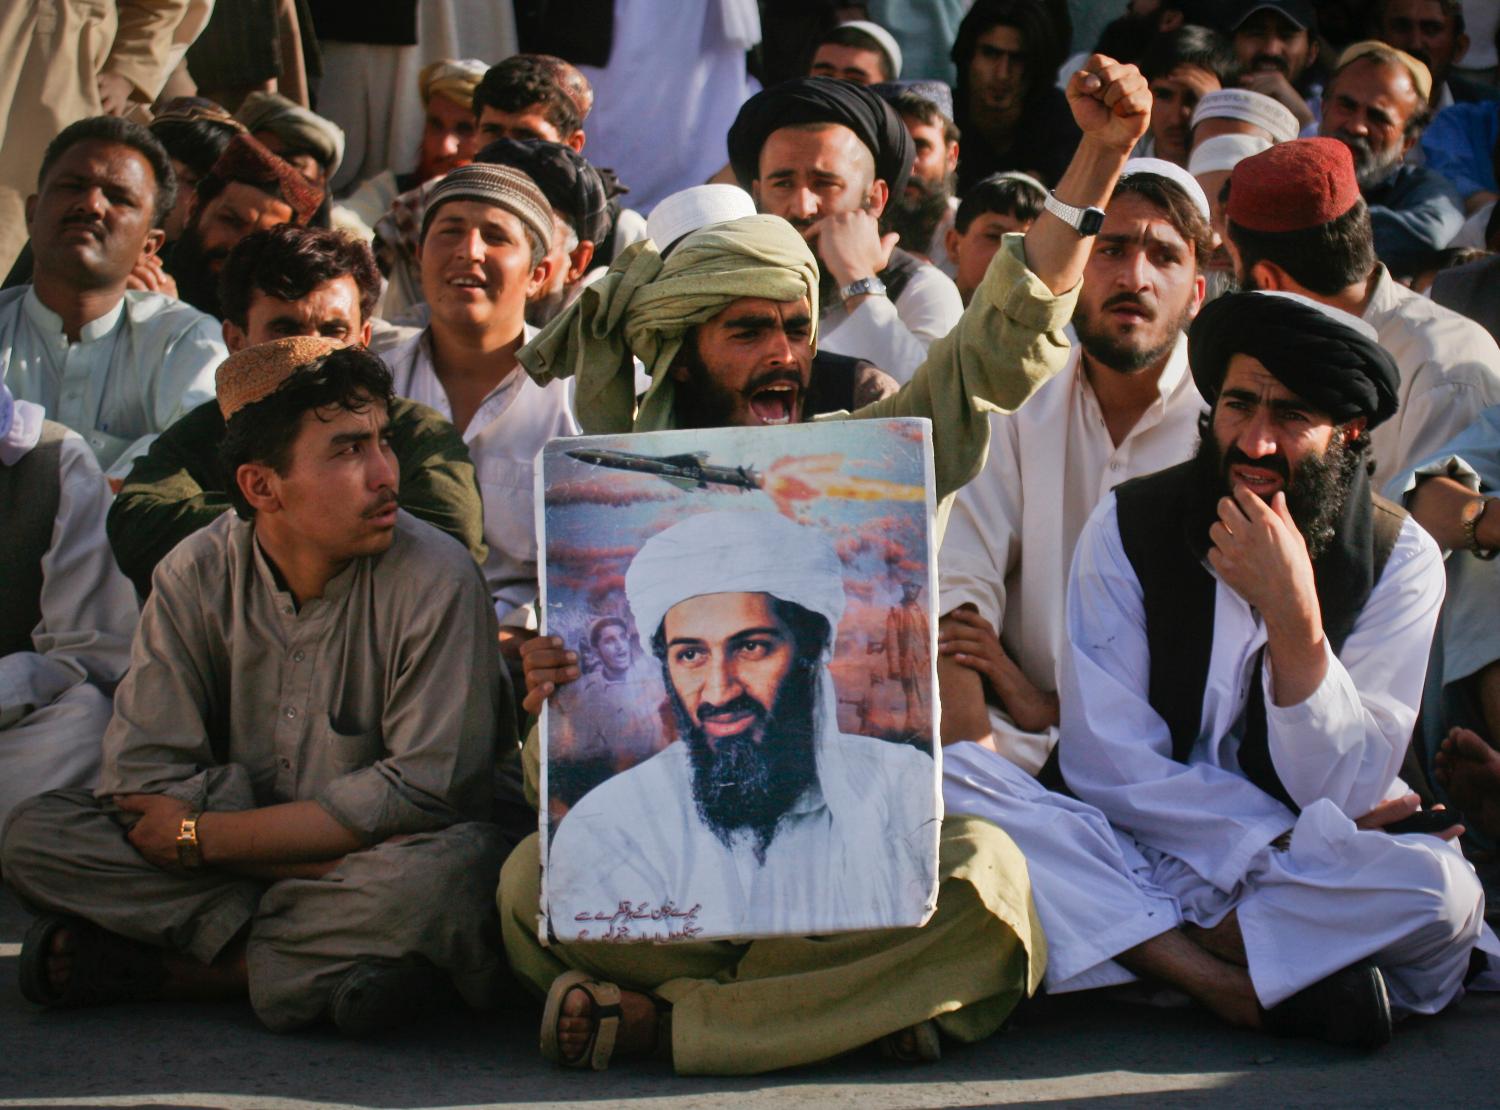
(512, 424)
(132, 372)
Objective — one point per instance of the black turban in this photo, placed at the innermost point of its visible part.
(1329, 365)
(572, 186)
(822, 100)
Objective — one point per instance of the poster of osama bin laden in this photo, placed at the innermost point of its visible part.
(751, 748)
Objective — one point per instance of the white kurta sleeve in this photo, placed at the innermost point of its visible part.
(88, 607)
(1116, 750)
(983, 540)
(895, 335)
(1345, 742)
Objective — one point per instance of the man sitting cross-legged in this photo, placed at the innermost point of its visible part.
(726, 325)
(277, 283)
(1247, 636)
(295, 796)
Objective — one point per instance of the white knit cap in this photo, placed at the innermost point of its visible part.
(1224, 152)
(686, 211)
(885, 38)
(1251, 107)
(731, 552)
(1160, 167)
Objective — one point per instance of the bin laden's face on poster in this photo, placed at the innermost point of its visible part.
(740, 671)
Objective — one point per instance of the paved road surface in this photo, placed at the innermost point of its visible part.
(1092, 1052)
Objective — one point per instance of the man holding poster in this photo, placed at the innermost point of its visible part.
(786, 821)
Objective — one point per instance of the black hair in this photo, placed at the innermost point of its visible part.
(1190, 45)
(121, 132)
(1009, 196)
(1451, 9)
(288, 262)
(1437, 259)
(196, 143)
(1181, 211)
(811, 633)
(523, 81)
(601, 624)
(1323, 259)
(909, 102)
(844, 35)
(264, 431)
(1046, 32)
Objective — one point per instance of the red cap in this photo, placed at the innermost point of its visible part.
(1293, 186)
(246, 160)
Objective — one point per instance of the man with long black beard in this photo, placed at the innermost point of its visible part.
(792, 823)
(1247, 633)
(1247, 638)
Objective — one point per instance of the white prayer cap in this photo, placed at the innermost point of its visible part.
(885, 38)
(1338, 315)
(1251, 107)
(686, 211)
(1224, 152)
(1160, 167)
(730, 552)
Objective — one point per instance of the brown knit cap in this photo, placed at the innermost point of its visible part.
(256, 372)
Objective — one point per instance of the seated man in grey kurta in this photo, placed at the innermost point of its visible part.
(298, 778)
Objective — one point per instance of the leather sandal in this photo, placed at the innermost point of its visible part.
(606, 1013)
(105, 968)
(923, 1048)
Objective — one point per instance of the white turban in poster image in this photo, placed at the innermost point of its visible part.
(780, 772)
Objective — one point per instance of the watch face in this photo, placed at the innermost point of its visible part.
(1091, 221)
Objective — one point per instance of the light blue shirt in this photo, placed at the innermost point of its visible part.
(131, 373)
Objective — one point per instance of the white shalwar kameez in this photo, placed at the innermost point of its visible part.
(1012, 531)
(1336, 894)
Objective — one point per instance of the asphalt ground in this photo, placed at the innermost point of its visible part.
(1092, 1050)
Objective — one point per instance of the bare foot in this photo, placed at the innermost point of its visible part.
(1469, 770)
(637, 1034)
(1223, 940)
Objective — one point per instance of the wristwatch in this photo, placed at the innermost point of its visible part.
(860, 286)
(1085, 221)
(189, 854)
(1472, 514)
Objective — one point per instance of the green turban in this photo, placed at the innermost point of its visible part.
(644, 306)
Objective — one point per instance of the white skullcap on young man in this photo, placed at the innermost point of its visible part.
(886, 40)
(1275, 118)
(689, 209)
(1171, 171)
(731, 552)
(1224, 152)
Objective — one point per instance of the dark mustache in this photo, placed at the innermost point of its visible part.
(773, 377)
(1275, 463)
(1130, 299)
(387, 499)
(1274, 59)
(744, 703)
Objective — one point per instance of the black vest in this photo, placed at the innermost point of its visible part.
(1164, 531)
(900, 270)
